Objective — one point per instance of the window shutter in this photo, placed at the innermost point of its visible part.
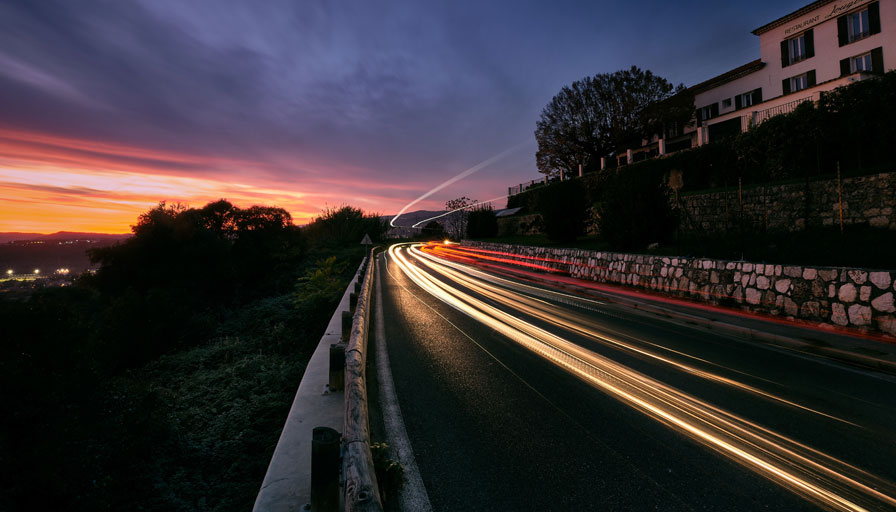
(842, 31)
(785, 56)
(714, 110)
(873, 18)
(877, 60)
(810, 79)
(785, 84)
(757, 96)
(844, 67)
(738, 102)
(810, 44)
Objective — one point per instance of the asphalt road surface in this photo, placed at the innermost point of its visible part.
(517, 397)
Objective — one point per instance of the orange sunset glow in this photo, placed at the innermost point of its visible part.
(50, 183)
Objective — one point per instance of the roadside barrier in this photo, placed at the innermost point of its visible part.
(361, 492)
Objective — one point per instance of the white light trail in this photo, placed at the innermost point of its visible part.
(818, 477)
(471, 170)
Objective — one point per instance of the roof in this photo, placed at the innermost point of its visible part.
(792, 16)
(728, 76)
(507, 212)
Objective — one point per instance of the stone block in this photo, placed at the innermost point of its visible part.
(762, 283)
(859, 315)
(880, 279)
(809, 274)
(759, 268)
(809, 309)
(770, 270)
(884, 303)
(828, 275)
(753, 296)
(779, 301)
(847, 293)
(782, 285)
(714, 277)
(730, 265)
(748, 267)
(858, 276)
(778, 270)
(879, 222)
(864, 293)
(838, 314)
(791, 271)
(790, 307)
(886, 324)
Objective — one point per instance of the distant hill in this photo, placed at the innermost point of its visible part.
(59, 236)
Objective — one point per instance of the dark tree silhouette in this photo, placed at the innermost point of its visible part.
(596, 116)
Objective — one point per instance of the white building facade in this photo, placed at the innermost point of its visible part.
(824, 45)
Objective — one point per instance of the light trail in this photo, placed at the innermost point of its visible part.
(818, 477)
(474, 205)
(471, 170)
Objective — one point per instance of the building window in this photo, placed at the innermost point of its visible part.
(871, 62)
(798, 48)
(799, 82)
(859, 25)
(748, 99)
(707, 112)
(860, 63)
(726, 103)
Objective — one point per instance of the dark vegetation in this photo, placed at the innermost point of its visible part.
(850, 129)
(162, 382)
(482, 223)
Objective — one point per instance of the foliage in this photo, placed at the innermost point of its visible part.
(389, 472)
(595, 116)
(153, 385)
(482, 223)
(634, 210)
(345, 227)
(564, 210)
(456, 222)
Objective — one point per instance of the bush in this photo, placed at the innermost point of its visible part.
(634, 210)
(482, 223)
(564, 210)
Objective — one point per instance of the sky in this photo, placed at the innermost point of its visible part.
(108, 107)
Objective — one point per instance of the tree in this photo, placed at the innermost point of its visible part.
(597, 116)
(456, 222)
(345, 227)
(482, 223)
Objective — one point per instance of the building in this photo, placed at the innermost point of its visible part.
(824, 45)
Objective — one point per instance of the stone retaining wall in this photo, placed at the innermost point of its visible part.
(846, 297)
(867, 200)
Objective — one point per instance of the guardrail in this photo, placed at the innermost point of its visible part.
(361, 492)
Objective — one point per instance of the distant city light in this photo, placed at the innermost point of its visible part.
(37, 271)
(9, 272)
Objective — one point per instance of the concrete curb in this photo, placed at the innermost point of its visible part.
(287, 483)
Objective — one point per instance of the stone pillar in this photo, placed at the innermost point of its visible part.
(603, 163)
(661, 145)
(701, 135)
(628, 156)
(580, 170)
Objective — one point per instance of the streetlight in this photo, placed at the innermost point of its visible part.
(9, 272)
(37, 271)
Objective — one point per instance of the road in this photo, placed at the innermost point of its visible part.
(517, 397)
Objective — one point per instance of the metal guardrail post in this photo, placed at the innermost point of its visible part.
(352, 302)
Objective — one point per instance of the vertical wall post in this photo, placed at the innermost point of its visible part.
(325, 469)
